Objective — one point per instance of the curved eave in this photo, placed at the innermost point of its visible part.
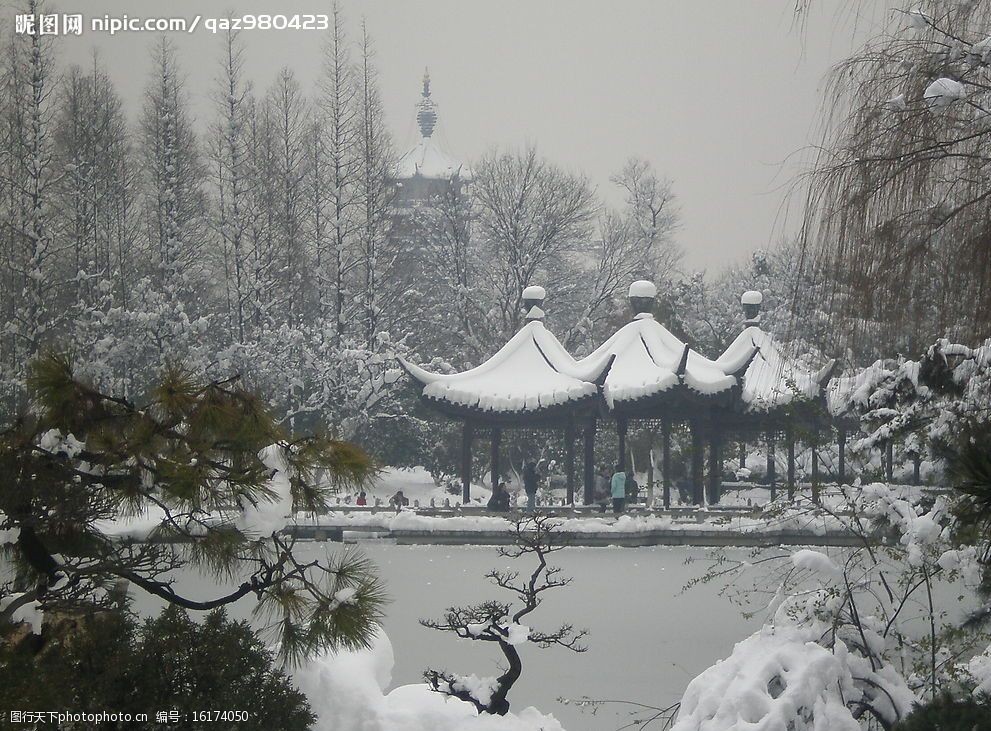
(541, 416)
(421, 376)
(678, 401)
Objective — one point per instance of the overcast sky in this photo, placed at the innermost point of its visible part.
(718, 94)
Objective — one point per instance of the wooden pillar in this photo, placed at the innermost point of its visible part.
(715, 469)
(771, 467)
(589, 461)
(569, 461)
(467, 434)
(790, 437)
(666, 462)
(815, 475)
(495, 472)
(697, 465)
(743, 455)
(889, 469)
(916, 468)
(621, 427)
(841, 477)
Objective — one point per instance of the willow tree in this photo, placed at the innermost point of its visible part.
(97, 489)
(898, 216)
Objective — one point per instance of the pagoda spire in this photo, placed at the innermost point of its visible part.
(426, 110)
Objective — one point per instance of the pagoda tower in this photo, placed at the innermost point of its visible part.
(427, 170)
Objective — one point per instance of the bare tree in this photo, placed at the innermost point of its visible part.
(335, 178)
(230, 158)
(33, 278)
(90, 144)
(376, 193)
(651, 210)
(173, 179)
(532, 215)
(897, 219)
(290, 118)
(443, 227)
(497, 622)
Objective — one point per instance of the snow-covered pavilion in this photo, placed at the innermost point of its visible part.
(642, 372)
(777, 394)
(531, 381)
(656, 376)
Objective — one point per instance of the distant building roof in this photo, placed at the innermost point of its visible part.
(426, 159)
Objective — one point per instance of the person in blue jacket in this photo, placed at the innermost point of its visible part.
(618, 484)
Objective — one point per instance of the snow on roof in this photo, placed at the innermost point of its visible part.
(650, 360)
(534, 292)
(427, 160)
(643, 288)
(530, 372)
(771, 379)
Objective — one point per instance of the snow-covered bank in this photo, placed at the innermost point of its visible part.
(347, 692)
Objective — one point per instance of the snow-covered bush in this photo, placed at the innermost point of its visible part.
(785, 677)
(929, 404)
(849, 634)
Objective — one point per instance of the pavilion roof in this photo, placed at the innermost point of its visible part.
(648, 360)
(530, 374)
(772, 379)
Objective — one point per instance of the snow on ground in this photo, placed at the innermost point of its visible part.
(347, 692)
(410, 520)
(417, 485)
(133, 527)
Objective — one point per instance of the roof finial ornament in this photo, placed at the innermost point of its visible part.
(642, 295)
(533, 300)
(426, 112)
(751, 302)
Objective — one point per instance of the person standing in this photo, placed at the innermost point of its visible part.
(632, 489)
(618, 489)
(531, 481)
(499, 502)
(603, 491)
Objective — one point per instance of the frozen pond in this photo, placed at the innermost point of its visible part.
(647, 640)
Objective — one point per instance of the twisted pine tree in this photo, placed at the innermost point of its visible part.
(197, 457)
(499, 622)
